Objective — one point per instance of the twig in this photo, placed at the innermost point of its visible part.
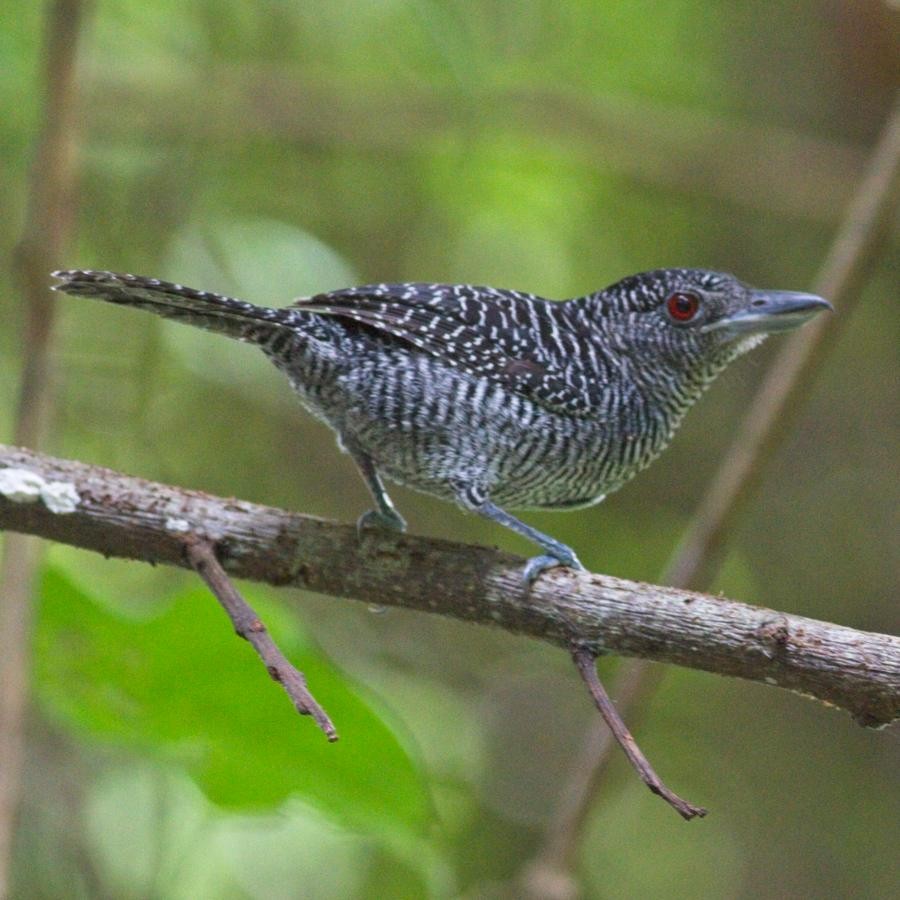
(128, 517)
(202, 556)
(697, 561)
(788, 379)
(47, 227)
(586, 663)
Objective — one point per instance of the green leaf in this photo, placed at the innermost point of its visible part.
(184, 686)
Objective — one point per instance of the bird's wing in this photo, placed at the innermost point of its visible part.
(504, 336)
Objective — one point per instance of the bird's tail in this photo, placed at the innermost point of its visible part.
(224, 315)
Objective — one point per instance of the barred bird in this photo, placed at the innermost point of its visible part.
(491, 398)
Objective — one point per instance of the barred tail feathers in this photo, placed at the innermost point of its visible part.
(204, 309)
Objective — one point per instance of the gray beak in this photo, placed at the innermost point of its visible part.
(769, 311)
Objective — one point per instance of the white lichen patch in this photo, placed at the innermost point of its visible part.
(25, 486)
(178, 525)
(60, 497)
(20, 485)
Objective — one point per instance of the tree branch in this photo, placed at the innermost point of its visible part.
(586, 663)
(117, 515)
(865, 225)
(247, 624)
(48, 226)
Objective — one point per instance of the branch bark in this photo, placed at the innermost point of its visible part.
(118, 515)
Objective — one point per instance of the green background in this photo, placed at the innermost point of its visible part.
(273, 149)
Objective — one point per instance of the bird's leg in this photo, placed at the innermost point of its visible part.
(385, 514)
(556, 553)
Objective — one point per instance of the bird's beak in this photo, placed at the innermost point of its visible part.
(769, 311)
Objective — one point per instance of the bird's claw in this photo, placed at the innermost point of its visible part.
(538, 564)
(389, 520)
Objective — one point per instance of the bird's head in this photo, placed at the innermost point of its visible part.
(694, 319)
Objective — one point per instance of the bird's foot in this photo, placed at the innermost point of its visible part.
(382, 519)
(562, 556)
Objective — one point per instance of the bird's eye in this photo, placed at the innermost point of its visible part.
(683, 306)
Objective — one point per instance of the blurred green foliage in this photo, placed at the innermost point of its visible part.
(125, 682)
(272, 149)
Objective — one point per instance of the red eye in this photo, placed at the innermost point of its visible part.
(682, 307)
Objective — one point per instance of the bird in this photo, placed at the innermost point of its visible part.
(492, 399)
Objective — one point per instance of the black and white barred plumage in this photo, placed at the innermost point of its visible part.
(492, 398)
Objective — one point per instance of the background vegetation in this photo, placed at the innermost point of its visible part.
(272, 149)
